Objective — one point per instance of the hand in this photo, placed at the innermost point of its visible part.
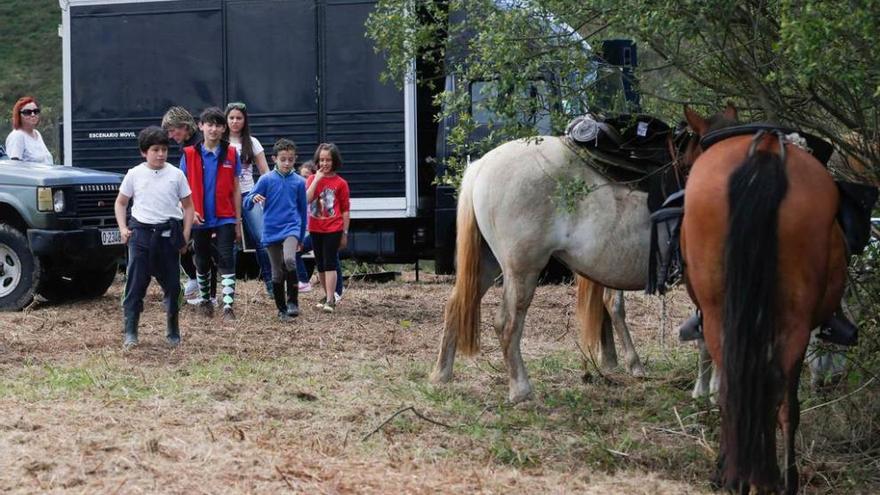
(259, 198)
(319, 174)
(343, 242)
(125, 232)
(198, 219)
(186, 241)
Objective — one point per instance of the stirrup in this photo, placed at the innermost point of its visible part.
(839, 330)
(692, 328)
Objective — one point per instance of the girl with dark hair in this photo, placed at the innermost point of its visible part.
(25, 142)
(328, 197)
(238, 134)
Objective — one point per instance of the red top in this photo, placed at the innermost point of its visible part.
(328, 204)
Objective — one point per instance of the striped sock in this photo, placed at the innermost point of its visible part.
(204, 286)
(228, 283)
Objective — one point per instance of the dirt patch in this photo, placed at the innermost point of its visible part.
(340, 403)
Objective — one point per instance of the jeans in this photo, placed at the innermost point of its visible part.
(253, 229)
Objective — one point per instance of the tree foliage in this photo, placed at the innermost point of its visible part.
(809, 64)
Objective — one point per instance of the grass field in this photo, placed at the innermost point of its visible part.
(341, 404)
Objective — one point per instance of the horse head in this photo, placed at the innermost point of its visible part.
(685, 143)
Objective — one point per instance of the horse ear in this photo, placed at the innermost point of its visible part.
(730, 112)
(698, 124)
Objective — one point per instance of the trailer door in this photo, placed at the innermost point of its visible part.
(372, 123)
(272, 66)
(133, 61)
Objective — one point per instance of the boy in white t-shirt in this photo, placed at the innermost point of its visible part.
(157, 233)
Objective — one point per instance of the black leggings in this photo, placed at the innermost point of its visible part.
(224, 241)
(326, 245)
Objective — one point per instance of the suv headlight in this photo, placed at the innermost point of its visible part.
(58, 201)
(44, 199)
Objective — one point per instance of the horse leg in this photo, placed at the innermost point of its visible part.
(607, 353)
(705, 372)
(826, 365)
(518, 292)
(789, 419)
(489, 270)
(616, 309)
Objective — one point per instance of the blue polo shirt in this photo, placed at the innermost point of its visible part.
(209, 183)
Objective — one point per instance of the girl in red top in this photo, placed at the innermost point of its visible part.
(328, 197)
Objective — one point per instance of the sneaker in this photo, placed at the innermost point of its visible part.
(206, 308)
(228, 314)
(191, 290)
(337, 296)
(282, 315)
(329, 307)
(320, 304)
(305, 287)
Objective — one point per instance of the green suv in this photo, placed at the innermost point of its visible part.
(58, 234)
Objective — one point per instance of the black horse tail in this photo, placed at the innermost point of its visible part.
(751, 382)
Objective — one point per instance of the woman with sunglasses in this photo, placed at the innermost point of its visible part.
(25, 142)
(250, 151)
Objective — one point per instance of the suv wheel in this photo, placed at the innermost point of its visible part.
(95, 283)
(82, 284)
(19, 270)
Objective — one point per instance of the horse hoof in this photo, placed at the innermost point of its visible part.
(517, 397)
(638, 371)
(439, 377)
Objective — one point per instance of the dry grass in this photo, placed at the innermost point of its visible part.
(265, 407)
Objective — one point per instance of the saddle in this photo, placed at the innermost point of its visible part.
(818, 147)
(624, 147)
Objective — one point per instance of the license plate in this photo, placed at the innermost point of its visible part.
(110, 237)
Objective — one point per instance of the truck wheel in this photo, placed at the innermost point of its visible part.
(83, 284)
(19, 270)
(94, 283)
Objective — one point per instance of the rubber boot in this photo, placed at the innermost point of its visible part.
(839, 330)
(278, 296)
(692, 328)
(130, 338)
(292, 294)
(172, 334)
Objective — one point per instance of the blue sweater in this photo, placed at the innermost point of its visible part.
(285, 207)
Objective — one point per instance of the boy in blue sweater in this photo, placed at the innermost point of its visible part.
(283, 196)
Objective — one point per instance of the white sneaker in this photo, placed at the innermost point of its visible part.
(191, 289)
(305, 287)
(337, 296)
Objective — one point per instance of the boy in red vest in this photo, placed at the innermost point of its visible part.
(212, 168)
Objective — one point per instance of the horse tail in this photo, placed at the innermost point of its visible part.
(463, 307)
(752, 376)
(590, 313)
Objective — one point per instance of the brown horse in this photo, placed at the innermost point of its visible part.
(765, 262)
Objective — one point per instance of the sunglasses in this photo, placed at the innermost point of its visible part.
(236, 105)
(28, 111)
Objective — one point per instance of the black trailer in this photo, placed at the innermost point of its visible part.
(306, 72)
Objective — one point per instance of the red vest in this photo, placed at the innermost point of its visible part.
(225, 184)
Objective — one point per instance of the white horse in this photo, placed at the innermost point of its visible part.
(510, 221)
